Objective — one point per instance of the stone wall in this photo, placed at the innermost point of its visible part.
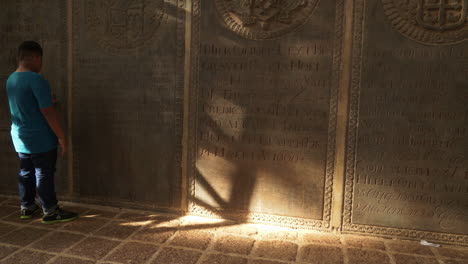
(329, 115)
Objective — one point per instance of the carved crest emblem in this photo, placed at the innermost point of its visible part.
(265, 19)
(124, 24)
(442, 14)
(430, 21)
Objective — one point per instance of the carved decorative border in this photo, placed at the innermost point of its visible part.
(179, 94)
(177, 108)
(348, 226)
(325, 223)
(76, 11)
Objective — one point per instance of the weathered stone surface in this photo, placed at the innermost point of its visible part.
(137, 217)
(177, 256)
(118, 229)
(28, 257)
(245, 230)
(279, 235)
(153, 235)
(57, 242)
(407, 133)
(133, 253)
(262, 108)
(454, 261)
(66, 260)
(364, 242)
(261, 92)
(100, 213)
(234, 244)
(23, 236)
(262, 261)
(192, 239)
(319, 238)
(94, 248)
(6, 250)
(76, 209)
(85, 225)
(222, 259)
(321, 254)
(5, 228)
(363, 256)
(128, 72)
(8, 210)
(460, 253)
(276, 249)
(406, 259)
(409, 247)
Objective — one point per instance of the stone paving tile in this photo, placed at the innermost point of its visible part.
(364, 242)
(176, 256)
(100, 213)
(23, 236)
(57, 242)
(409, 247)
(406, 259)
(222, 259)
(75, 209)
(234, 244)
(94, 248)
(12, 202)
(262, 261)
(276, 249)
(318, 254)
(318, 238)
(357, 256)
(457, 253)
(133, 253)
(168, 221)
(85, 225)
(192, 239)
(153, 235)
(67, 260)
(5, 228)
(246, 230)
(6, 250)
(28, 257)
(135, 216)
(118, 229)
(8, 210)
(454, 261)
(279, 235)
(15, 218)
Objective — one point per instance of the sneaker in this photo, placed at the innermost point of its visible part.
(59, 216)
(26, 214)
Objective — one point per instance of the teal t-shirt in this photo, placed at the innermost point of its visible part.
(28, 93)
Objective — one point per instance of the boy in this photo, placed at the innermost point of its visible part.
(35, 132)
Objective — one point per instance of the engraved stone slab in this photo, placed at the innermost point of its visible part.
(264, 112)
(407, 166)
(128, 64)
(44, 22)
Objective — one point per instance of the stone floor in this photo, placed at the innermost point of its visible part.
(107, 235)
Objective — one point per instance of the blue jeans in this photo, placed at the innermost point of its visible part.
(38, 171)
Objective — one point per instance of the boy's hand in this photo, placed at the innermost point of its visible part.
(63, 146)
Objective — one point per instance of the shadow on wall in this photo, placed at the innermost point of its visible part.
(243, 158)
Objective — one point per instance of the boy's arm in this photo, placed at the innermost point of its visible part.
(52, 118)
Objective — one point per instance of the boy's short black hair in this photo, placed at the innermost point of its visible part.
(29, 48)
